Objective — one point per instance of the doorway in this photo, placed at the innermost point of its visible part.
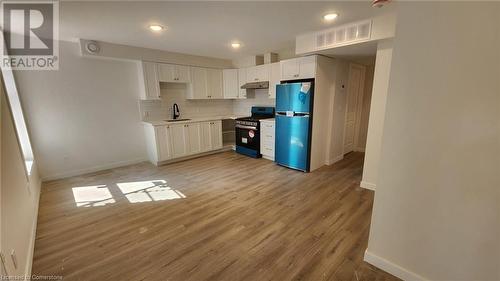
(358, 107)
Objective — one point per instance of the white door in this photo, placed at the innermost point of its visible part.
(230, 79)
(163, 142)
(182, 74)
(214, 78)
(192, 136)
(290, 69)
(216, 134)
(205, 136)
(242, 80)
(178, 140)
(355, 89)
(198, 83)
(274, 79)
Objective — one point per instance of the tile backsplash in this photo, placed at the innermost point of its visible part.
(176, 93)
(254, 97)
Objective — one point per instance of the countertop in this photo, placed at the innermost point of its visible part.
(192, 120)
(267, 120)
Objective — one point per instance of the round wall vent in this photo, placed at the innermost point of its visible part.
(92, 47)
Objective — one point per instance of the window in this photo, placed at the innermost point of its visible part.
(18, 116)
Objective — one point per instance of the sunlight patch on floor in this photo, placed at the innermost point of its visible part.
(92, 196)
(147, 191)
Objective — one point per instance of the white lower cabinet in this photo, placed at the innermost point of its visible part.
(267, 132)
(168, 142)
(192, 137)
(216, 134)
(163, 140)
(178, 140)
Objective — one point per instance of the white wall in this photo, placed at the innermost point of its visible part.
(84, 116)
(377, 114)
(19, 195)
(436, 212)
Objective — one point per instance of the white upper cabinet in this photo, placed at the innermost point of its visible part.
(274, 78)
(173, 73)
(214, 83)
(258, 73)
(206, 83)
(298, 68)
(230, 81)
(242, 80)
(149, 79)
(198, 87)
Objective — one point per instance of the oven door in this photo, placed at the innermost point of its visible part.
(247, 140)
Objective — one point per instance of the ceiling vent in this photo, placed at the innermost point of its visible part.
(343, 35)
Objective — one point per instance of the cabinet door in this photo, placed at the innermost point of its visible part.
(307, 67)
(192, 136)
(178, 140)
(166, 72)
(216, 134)
(274, 79)
(242, 80)
(198, 86)
(205, 136)
(163, 142)
(290, 69)
(262, 72)
(182, 74)
(230, 80)
(151, 82)
(214, 83)
(252, 74)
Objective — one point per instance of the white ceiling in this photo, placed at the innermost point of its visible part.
(205, 28)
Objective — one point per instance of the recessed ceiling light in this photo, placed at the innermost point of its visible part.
(330, 17)
(235, 45)
(155, 27)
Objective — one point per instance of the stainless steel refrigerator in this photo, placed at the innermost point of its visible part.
(294, 105)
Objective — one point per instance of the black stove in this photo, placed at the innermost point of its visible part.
(248, 131)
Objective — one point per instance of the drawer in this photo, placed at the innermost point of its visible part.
(268, 151)
(267, 136)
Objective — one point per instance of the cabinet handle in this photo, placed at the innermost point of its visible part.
(295, 75)
(256, 79)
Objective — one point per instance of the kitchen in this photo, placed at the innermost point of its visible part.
(199, 140)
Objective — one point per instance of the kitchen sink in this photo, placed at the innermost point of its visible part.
(177, 120)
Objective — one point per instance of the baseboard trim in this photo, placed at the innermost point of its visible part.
(334, 160)
(392, 268)
(368, 185)
(93, 169)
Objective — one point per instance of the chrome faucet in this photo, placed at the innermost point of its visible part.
(176, 111)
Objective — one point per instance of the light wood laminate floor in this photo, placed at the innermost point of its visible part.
(219, 217)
